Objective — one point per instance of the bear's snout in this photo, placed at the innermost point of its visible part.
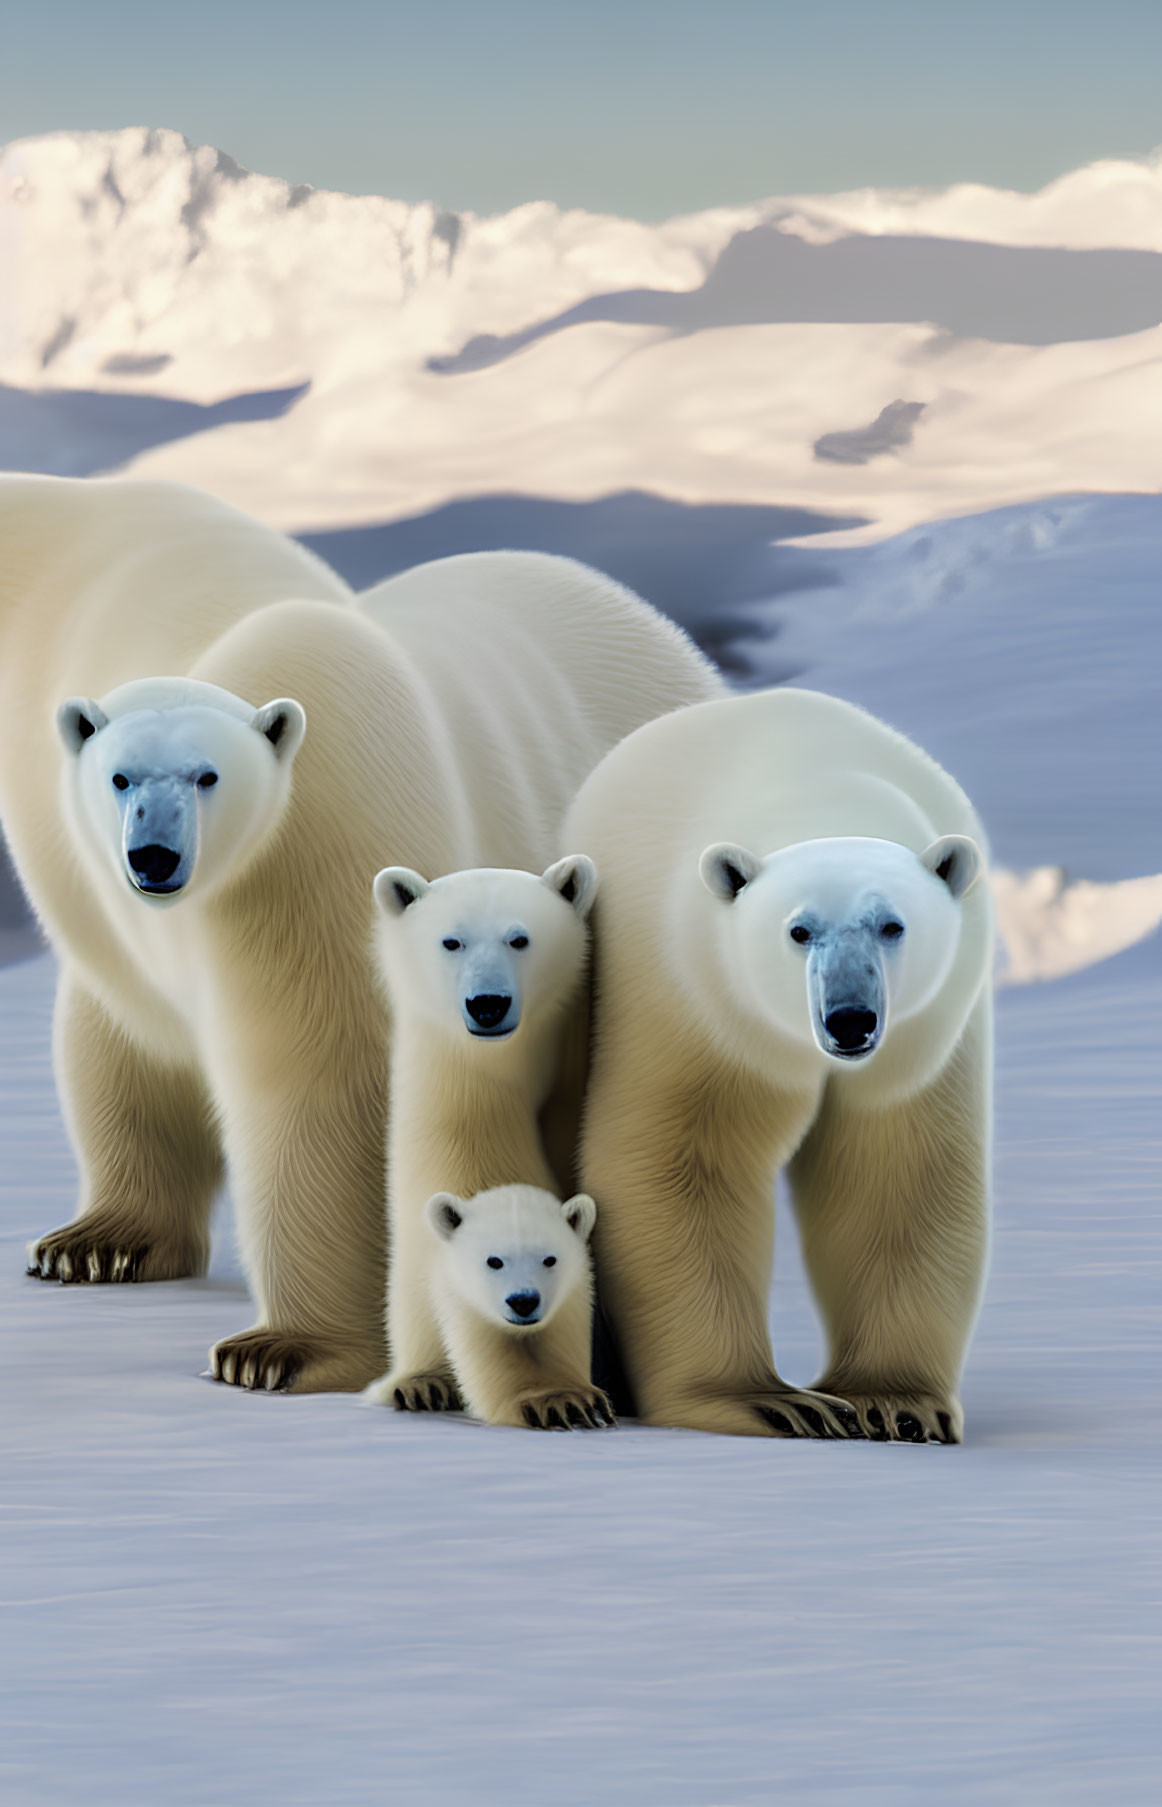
(852, 1028)
(524, 1305)
(488, 1009)
(154, 864)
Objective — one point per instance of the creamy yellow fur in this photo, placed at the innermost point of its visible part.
(696, 1099)
(456, 1125)
(248, 1026)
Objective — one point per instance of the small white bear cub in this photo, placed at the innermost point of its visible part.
(512, 1292)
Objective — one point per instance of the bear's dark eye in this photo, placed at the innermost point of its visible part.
(451, 943)
(495, 1261)
(120, 781)
(892, 931)
(206, 780)
(549, 1261)
(801, 933)
(519, 941)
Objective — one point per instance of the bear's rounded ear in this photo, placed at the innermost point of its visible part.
(957, 860)
(283, 722)
(77, 720)
(396, 888)
(726, 869)
(575, 879)
(444, 1213)
(580, 1214)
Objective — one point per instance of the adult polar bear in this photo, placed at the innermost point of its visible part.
(742, 992)
(451, 715)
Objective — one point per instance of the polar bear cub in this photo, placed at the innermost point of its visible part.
(483, 971)
(512, 1292)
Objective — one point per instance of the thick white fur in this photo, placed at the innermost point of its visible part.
(707, 1077)
(465, 1112)
(504, 1241)
(451, 714)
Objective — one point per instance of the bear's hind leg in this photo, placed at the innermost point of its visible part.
(893, 1212)
(147, 1149)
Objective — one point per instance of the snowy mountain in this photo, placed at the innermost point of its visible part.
(878, 357)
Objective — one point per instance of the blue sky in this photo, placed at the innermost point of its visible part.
(634, 107)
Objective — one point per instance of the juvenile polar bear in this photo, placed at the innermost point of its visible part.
(512, 1291)
(451, 714)
(484, 973)
(793, 966)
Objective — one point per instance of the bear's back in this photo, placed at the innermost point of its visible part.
(536, 664)
(765, 770)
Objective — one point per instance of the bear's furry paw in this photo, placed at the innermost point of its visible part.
(909, 1417)
(102, 1250)
(264, 1360)
(416, 1393)
(261, 1361)
(774, 1411)
(795, 1412)
(567, 1409)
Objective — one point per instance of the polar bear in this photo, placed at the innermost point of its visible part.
(233, 1023)
(511, 1288)
(483, 972)
(793, 961)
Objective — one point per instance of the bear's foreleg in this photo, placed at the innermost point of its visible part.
(420, 1378)
(306, 1169)
(537, 1378)
(893, 1209)
(147, 1149)
(683, 1175)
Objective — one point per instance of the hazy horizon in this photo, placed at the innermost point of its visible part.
(648, 112)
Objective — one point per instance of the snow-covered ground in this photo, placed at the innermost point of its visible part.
(209, 1597)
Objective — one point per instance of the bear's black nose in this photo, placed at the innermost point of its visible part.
(523, 1304)
(850, 1028)
(488, 1009)
(154, 864)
